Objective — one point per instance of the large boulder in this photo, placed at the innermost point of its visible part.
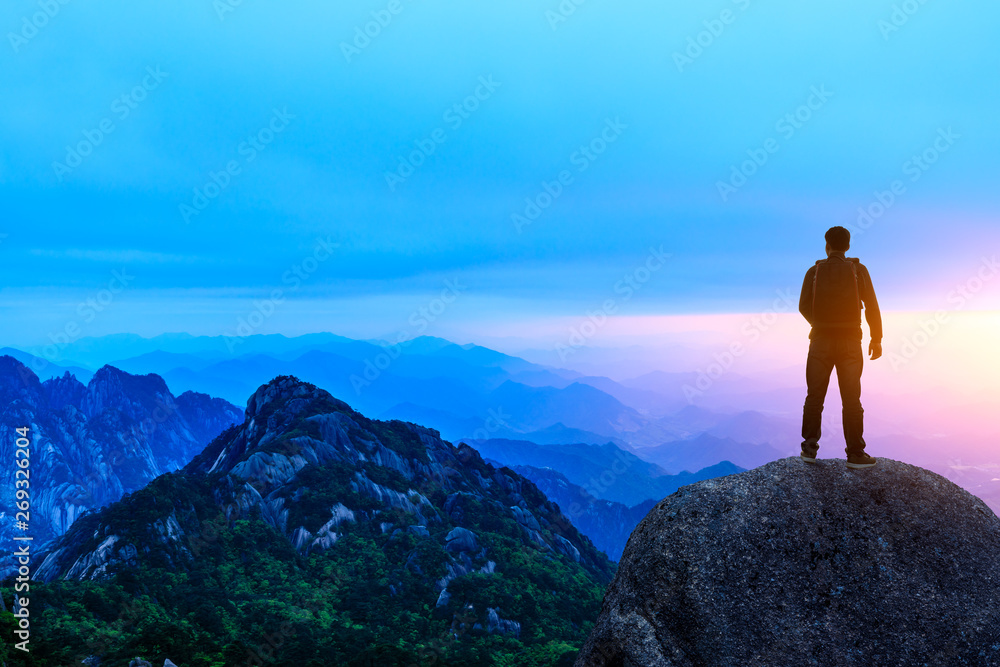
(799, 564)
(461, 539)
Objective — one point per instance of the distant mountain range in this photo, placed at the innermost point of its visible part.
(705, 450)
(464, 391)
(45, 369)
(603, 471)
(93, 443)
(607, 523)
(472, 392)
(604, 490)
(367, 540)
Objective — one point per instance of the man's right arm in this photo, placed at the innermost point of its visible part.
(806, 297)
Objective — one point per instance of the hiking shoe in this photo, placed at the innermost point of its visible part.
(861, 460)
(809, 453)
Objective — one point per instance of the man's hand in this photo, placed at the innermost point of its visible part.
(875, 349)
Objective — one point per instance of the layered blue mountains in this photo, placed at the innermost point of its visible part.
(118, 411)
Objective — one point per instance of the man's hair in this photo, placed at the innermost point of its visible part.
(838, 238)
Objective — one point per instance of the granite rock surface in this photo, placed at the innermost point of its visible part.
(799, 564)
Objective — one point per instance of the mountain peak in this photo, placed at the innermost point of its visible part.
(285, 388)
(115, 376)
(890, 561)
(15, 377)
(115, 389)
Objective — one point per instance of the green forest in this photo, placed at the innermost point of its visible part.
(247, 598)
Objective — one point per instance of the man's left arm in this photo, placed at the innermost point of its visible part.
(872, 313)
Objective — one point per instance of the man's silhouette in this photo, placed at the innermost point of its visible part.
(831, 301)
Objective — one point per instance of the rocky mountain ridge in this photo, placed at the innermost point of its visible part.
(93, 443)
(291, 426)
(322, 478)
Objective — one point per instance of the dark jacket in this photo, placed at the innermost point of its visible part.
(867, 293)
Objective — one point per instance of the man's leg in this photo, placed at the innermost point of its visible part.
(850, 362)
(819, 365)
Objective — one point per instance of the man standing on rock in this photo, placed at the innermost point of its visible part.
(832, 296)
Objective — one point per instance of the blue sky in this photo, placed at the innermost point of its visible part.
(338, 124)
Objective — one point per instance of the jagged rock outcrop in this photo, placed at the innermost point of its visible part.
(91, 444)
(495, 624)
(798, 564)
(461, 539)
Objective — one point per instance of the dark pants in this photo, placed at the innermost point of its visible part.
(825, 354)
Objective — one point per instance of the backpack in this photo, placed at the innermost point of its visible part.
(836, 294)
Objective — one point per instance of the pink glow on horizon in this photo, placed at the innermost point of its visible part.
(938, 375)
